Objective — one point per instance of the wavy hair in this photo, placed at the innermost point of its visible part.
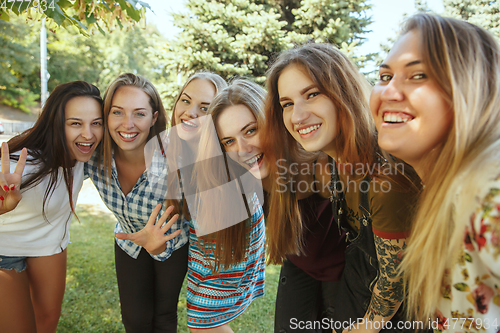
(46, 140)
(338, 78)
(465, 62)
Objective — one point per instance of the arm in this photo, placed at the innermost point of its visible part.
(388, 292)
(10, 183)
(152, 237)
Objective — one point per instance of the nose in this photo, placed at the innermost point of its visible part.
(244, 147)
(393, 91)
(300, 114)
(86, 132)
(193, 111)
(128, 121)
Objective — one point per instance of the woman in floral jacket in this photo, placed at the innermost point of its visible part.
(437, 107)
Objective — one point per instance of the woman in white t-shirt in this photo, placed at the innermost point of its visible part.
(40, 181)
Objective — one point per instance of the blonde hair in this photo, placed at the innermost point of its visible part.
(464, 60)
(338, 78)
(210, 173)
(176, 144)
(132, 80)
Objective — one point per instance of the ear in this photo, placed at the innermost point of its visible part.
(155, 117)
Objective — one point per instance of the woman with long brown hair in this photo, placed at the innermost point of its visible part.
(318, 101)
(38, 205)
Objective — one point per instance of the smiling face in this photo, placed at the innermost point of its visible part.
(239, 134)
(82, 127)
(130, 119)
(193, 104)
(410, 111)
(309, 115)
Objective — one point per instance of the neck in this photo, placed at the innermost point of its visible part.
(130, 157)
(266, 184)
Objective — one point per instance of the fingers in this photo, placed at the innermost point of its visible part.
(172, 235)
(165, 215)
(21, 163)
(5, 160)
(167, 226)
(154, 214)
(124, 236)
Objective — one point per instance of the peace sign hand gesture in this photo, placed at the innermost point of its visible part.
(10, 183)
(152, 237)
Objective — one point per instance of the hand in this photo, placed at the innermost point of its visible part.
(152, 237)
(10, 183)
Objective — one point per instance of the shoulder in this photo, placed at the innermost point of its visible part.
(392, 208)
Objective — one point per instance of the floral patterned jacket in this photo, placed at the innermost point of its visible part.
(471, 298)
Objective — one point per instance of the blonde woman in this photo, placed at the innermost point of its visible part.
(437, 107)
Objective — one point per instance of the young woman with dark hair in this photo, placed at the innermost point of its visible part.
(34, 231)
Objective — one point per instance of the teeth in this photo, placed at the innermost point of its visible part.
(395, 118)
(129, 136)
(309, 129)
(187, 123)
(84, 144)
(254, 159)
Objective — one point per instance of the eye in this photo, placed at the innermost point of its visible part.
(185, 101)
(229, 142)
(285, 105)
(313, 94)
(116, 112)
(74, 123)
(204, 108)
(140, 114)
(385, 77)
(419, 76)
(97, 123)
(251, 131)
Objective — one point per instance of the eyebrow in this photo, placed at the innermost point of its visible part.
(411, 63)
(301, 92)
(119, 107)
(241, 130)
(202, 103)
(80, 119)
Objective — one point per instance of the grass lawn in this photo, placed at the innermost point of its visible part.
(91, 303)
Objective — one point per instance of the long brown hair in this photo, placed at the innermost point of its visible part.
(46, 140)
(211, 173)
(338, 78)
(464, 59)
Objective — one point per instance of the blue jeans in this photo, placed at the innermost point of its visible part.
(17, 263)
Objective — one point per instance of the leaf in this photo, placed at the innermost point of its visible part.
(485, 276)
(461, 287)
(496, 300)
(471, 299)
(468, 257)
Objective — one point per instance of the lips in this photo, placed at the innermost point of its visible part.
(128, 137)
(255, 161)
(308, 130)
(85, 147)
(396, 117)
(188, 125)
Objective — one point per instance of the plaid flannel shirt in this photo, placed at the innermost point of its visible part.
(133, 210)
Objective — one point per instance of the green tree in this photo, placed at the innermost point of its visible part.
(86, 15)
(484, 13)
(19, 64)
(240, 37)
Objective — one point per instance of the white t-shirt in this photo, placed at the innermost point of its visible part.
(24, 231)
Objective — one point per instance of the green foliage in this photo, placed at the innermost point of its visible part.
(484, 13)
(240, 37)
(19, 57)
(85, 15)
